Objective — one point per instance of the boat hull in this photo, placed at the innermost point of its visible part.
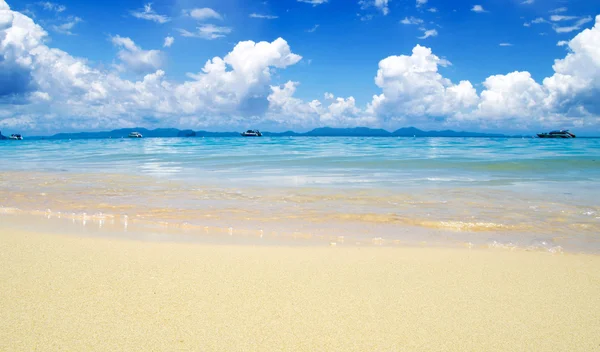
(554, 136)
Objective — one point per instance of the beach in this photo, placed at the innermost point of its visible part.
(319, 244)
(97, 294)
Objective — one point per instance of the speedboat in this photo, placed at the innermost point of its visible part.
(557, 134)
(135, 135)
(252, 133)
(16, 137)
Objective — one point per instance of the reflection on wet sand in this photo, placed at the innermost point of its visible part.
(453, 215)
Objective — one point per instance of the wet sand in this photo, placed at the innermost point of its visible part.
(94, 294)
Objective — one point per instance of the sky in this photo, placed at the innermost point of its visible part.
(513, 66)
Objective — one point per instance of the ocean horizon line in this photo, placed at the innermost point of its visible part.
(170, 132)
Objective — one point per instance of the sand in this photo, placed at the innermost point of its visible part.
(61, 293)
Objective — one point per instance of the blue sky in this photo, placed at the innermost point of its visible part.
(335, 49)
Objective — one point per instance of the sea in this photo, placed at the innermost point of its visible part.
(506, 193)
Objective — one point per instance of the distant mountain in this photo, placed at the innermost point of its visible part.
(2, 137)
(317, 132)
(281, 134)
(412, 131)
(347, 132)
(217, 134)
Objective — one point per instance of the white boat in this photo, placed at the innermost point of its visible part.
(135, 135)
(557, 134)
(252, 133)
(16, 137)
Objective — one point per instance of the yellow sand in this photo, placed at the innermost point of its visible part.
(83, 294)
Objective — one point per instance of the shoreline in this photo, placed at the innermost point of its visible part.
(80, 293)
(104, 226)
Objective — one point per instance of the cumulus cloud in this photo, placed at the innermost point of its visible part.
(413, 87)
(205, 13)
(509, 96)
(284, 108)
(576, 80)
(135, 58)
(168, 42)
(6, 17)
(49, 82)
(420, 3)
(147, 13)
(48, 89)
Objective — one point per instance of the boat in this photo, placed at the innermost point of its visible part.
(557, 134)
(135, 135)
(252, 133)
(16, 137)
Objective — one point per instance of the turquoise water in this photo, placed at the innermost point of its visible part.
(472, 190)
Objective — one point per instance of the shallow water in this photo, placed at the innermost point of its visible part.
(498, 192)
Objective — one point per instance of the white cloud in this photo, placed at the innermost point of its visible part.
(562, 43)
(420, 3)
(413, 87)
(576, 81)
(539, 20)
(313, 29)
(267, 17)
(429, 33)
(432, 10)
(49, 85)
(412, 20)
(556, 18)
(6, 18)
(574, 27)
(314, 2)
(205, 13)
(413, 90)
(66, 27)
(168, 42)
(45, 88)
(207, 31)
(509, 96)
(559, 10)
(478, 9)
(341, 112)
(505, 44)
(135, 58)
(381, 5)
(50, 6)
(147, 13)
(527, 2)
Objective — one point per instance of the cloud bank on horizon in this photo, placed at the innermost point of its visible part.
(47, 89)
